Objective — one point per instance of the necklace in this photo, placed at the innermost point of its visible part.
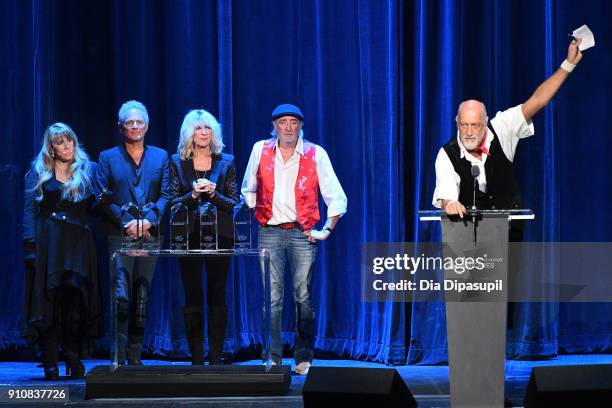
(202, 162)
(201, 173)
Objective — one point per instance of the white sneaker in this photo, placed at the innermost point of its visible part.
(302, 368)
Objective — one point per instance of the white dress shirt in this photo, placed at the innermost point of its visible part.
(285, 176)
(510, 126)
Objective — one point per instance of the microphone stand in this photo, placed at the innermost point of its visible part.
(474, 210)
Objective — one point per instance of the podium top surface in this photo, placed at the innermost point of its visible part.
(192, 253)
(511, 213)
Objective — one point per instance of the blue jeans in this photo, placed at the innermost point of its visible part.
(290, 246)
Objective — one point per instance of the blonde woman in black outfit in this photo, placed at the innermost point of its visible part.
(62, 299)
(201, 176)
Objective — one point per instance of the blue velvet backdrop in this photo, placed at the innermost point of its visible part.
(379, 83)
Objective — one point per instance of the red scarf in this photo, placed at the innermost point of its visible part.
(482, 148)
(477, 152)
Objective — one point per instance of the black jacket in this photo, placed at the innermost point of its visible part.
(227, 196)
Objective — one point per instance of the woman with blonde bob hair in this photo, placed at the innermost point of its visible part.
(202, 119)
(62, 300)
(201, 178)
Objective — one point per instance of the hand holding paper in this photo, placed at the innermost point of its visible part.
(587, 37)
(574, 55)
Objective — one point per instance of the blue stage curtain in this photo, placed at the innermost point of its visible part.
(379, 83)
(11, 204)
(340, 61)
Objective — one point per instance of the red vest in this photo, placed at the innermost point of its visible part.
(306, 186)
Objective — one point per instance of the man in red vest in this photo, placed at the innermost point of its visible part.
(282, 182)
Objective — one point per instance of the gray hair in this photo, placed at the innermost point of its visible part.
(128, 106)
(198, 118)
(484, 110)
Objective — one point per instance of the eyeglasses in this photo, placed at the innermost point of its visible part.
(134, 124)
(476, 126)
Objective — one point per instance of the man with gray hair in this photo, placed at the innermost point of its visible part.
(491, 145)
(282, 182)
(132, 172)
(484, 150)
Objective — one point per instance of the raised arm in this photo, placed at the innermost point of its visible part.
(547, 90)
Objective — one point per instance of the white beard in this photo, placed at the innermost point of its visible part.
(471, 146)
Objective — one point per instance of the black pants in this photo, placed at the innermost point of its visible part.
(134, 276)
(216, 280)
(216, 277)
(68, 324)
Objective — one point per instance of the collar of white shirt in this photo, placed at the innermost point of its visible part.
(299, 148)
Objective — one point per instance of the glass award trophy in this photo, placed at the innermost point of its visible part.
(242, 225)
(208, 227)
(179, 227)
(129, 213)
(151, 242)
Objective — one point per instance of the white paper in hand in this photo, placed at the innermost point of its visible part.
(588, 39)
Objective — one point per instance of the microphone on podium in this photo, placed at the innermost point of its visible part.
(475, 173)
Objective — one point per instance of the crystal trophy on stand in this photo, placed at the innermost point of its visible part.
(209, 236)
(179, 227)
(129, 213)
(242, 225)
(152, 241)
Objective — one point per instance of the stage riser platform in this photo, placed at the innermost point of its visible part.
(186, 381)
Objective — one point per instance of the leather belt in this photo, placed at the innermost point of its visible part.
(285, 226)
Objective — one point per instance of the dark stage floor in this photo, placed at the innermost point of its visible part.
(429, 384)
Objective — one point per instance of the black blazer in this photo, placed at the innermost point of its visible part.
(223, 174)
(115, 174)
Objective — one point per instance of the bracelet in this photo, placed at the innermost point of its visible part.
(567, 66)
(328, 228)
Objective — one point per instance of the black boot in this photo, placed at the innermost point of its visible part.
(123, 313)
(217, 322)
(194, 330)
(72, 312)
(72, 354)
(51, 372)
(74, 366)
(49, 347)
(138, 319)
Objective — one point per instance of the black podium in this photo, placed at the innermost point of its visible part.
(476, 319)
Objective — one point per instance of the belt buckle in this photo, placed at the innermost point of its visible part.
(287, 225)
